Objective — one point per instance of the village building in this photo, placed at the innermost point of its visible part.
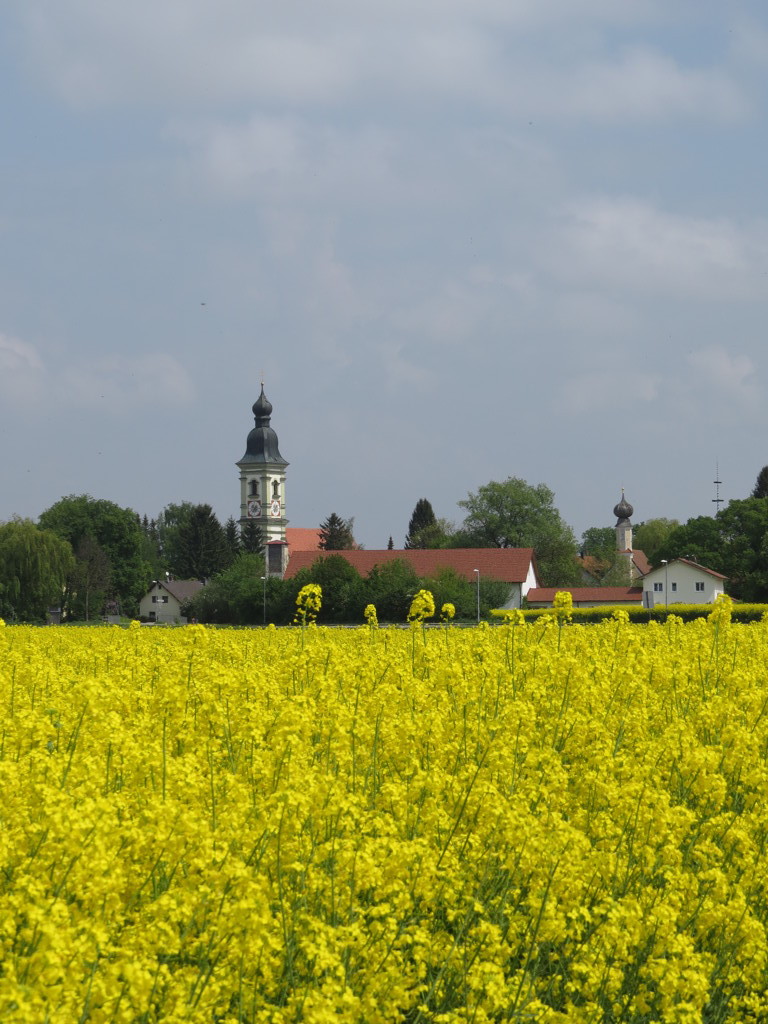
(164, 600)
(682, 581)
(513, 566)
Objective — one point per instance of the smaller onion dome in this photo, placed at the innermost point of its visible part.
(262, 409)
(623, 510)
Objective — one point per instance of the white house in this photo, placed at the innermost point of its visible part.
(163, 601)
(682, 582)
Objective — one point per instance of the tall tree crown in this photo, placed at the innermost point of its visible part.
(336, 533)
(423, 517)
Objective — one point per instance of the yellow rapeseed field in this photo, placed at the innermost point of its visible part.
(547, 822)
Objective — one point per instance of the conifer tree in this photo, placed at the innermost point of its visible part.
(760, 489)
(423, 517)
(336, 534)
(251, 539)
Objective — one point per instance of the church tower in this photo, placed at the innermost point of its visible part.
(262, 485)
(623, 511)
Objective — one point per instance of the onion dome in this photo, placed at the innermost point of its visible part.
(261, 445)
(623, 510)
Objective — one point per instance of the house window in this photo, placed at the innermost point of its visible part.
(658, 587)
(157, 599)
(700, 585)
(674, 588)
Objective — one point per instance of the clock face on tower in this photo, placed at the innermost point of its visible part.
(274, 509)
(254, 508)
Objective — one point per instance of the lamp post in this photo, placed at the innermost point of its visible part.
(477, 578)
(264, 591)
(665, 563)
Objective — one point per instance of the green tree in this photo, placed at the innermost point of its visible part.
(699, 539)
(651, 535)
(513, 513)
(743, 527)
(422, 518)
(760, 490)
(235, 596)
(232, 538)
(343, 589)
(251, 538)
(151, 554)
(34, 567)
(193, 541)
(91, 575)
(599, 542)
(390, 587)
(336, 534)
(116, 530)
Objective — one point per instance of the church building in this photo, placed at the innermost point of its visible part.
(262, 487)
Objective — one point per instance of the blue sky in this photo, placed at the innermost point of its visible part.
(462, 240)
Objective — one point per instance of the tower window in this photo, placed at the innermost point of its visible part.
(254, 488)
(275, 489)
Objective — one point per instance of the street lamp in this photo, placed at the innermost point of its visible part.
(665, 563)
(264, 582)
(477, 577)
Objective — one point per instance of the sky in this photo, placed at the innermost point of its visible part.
(459, 241)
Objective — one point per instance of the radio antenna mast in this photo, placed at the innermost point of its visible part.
(717, 499)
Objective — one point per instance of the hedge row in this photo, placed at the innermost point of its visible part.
(686, 612)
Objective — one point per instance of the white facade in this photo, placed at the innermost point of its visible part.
(682, 582)
(262, 499)
(163, 601)
(519, 590)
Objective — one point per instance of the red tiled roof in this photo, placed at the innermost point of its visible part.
(302, 538)
(605, 595)
(510, 565)
(693, 565)
(642, 564)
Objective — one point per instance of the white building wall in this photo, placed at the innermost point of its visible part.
(678, 586)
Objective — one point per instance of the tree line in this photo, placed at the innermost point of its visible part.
(90, 556)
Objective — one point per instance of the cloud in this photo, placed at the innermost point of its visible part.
(630, 244)
(192, 55)
(749, 43)
(730, 377)
(608, 390)
(113, 385)
(646, 84)
(117, 384)
(21, 371)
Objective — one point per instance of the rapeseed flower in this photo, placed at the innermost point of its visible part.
(228, 825)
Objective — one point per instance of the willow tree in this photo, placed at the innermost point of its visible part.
(34, 567)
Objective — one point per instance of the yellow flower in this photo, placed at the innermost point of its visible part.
(308, 603)
(370, 615)
(422, 607)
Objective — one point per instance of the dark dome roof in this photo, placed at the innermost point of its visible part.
(262, 407)
(623, 510)
(261, 445)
